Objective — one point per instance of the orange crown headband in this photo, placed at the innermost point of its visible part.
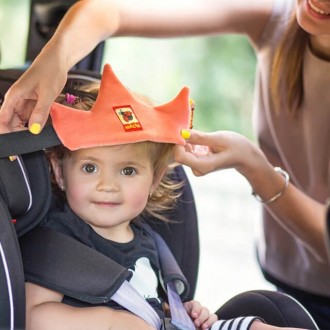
(117, 117)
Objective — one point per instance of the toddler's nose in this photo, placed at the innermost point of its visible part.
(107, 183)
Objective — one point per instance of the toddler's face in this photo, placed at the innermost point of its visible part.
(107, 187)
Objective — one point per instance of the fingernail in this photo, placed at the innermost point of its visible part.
(12, 158)
(185, 134)
(35, 128)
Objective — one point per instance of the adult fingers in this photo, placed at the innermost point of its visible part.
(12, 115)
(201, 163)
(40, 115)
(199, 137)
(5, 119)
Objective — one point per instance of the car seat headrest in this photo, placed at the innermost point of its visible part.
(15, 186)
(24, 181)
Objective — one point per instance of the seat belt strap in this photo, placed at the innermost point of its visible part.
(179, 315)
(128, 297)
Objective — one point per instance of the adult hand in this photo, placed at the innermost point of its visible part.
(208, 152)
(29, 99)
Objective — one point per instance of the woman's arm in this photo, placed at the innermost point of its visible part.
(45, 311)
(299, 214)
(88, 22)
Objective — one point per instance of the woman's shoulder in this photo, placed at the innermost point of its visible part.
(277, 23)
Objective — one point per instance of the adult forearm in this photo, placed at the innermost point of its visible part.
(305, 218)
(89, 22)
(299, 214)
(86, 24)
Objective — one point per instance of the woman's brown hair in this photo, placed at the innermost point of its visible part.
(286, 80)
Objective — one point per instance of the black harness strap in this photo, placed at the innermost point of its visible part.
(59, 262)
(170, 268)
(15, 186)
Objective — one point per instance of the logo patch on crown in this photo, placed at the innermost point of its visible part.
(128, 118)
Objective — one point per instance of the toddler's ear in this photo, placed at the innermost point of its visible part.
(58, 171)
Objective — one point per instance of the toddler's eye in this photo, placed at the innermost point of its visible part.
(89, 168)
(128, 171)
